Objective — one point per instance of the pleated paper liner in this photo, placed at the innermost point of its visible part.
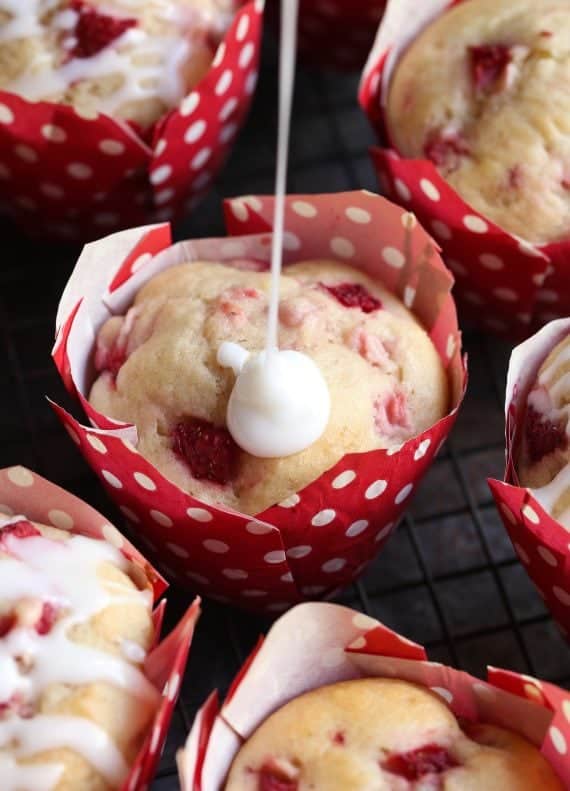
(322, 537)
(335, 33)
(541, 543)
(66, 176)
(24, 493)
(317, 644)
(504, 285)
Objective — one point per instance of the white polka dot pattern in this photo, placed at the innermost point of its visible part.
(105, 155)
(517, 278)
(322, 537)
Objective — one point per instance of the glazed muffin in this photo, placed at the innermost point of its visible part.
(545, 455)
(158, 369)
(483, 93)
(131, 59)
(387, 735)
(75, 628)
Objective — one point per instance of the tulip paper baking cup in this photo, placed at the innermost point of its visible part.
(336, 33)
(67, 176)
(320, 538)
(504, 284)
(24, 493)
(317, 644)
(541, 543)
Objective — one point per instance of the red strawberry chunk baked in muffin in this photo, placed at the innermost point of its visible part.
(545, 451)
(383, 735)
(132, 59)
(483, 93)
(75, 627)
(158, 369)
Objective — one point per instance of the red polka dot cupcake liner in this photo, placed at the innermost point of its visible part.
(338, 644)
(67, 176)
(504, 284)
(337, 33)
(318, 539)
(24, 494)
(541, 543)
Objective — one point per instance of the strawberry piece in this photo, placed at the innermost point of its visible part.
(95, 31)
(113, 360)
(7, 622)
(21, 529)
(274, 778)
(415, 764)
(47, 618)
(354, 295)
(397, 410)
(446, 149)
(542, 435)
(210, 451)
(488, 64)
(515, 178)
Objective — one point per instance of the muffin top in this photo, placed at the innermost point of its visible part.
(75, 628)
(483, 93)
(131, 59)
(544, 456)
(387, 735)
(158, 369)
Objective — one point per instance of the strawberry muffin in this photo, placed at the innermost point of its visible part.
(383, 734)
(131, 59)
(483, 93)
(157, 368)
(545, 452)
(75, 627)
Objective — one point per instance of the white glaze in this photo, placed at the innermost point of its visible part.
(39, 777)
(280, 403)
(50, 732)
(65, 573)
(161, 76)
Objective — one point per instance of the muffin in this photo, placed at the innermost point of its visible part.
(75, 628)
(482, 93)
(545, 454)
(383, 734)
(157, 368)
(130, 60)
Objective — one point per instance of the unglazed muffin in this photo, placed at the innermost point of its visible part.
(131, 59)
(158, 369)
(483, 93)
(545, 455)
(386, 735)
(75, 628)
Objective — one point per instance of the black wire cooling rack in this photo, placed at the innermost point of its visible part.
(448, 578)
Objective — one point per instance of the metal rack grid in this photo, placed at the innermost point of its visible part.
(448, 578)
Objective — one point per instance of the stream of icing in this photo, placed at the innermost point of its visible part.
(280, 402)
(66, 575)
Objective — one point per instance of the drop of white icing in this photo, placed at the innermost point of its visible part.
(280, 403)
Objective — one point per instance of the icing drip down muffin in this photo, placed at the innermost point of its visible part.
(131, 59)
(545, 453)
(75, 628)
(483, 93)
(157, 368)
(387, 735)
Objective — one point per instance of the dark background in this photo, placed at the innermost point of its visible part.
(448, 578)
